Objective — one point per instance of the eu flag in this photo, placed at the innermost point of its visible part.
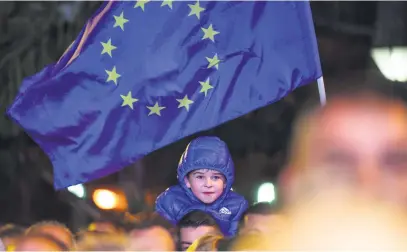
(144, 74)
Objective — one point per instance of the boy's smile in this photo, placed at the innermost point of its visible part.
(207, 185)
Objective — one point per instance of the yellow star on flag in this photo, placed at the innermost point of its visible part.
(156, 109)
(141, 3)
(108, 47)
(128, 100)
(213, 62)
(209, 33)
(195, 10)
(120, 21)
(184, 102)
(205, 86)
(112, 75)
(167, 2)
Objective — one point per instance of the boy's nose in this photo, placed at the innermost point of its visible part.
(208, 183)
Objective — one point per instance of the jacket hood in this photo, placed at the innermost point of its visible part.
(206, 153)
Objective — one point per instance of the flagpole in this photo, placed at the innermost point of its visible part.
(321, 90)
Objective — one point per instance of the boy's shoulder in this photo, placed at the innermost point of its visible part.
(174, 202)
(173, 194)
(235, 202)
(234, 196)
(176, 189)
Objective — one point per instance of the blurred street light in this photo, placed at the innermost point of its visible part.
(78, 190)
(266, 192)
(392, 62)
(107, 199)
(389, 49)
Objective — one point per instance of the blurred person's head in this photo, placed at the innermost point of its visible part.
(225, 244)
(151, 232)
(109, 222)
(11, 230)
(9, 234)
(334, 220)
(249, 242)
(194, 225)
(55, 229)
(103, 227)
(39, 242)
(208, 242)
(359, 139)
(261, 217)
(85, 233)
(93, 241)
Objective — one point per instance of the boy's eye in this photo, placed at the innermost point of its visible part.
(199, 177)
(216, 177)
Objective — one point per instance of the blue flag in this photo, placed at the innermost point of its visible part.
(142, 75)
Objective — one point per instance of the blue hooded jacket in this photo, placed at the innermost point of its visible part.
(176, 201)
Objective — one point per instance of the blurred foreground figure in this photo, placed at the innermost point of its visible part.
(262, 217)
(9, 234)
(54, 229)
(151, 232)
(39, 242)
(103, 227)
(209, 242)
(358, 139)
(103, 242)
(345, 185)
(336, 219)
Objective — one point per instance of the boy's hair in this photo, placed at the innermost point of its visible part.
(196, 219)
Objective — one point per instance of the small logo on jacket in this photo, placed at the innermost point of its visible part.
(224, 210)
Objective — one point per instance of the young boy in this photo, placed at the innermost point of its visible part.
(205, 174)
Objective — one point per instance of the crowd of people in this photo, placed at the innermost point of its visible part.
(344, 187)
(147, 231)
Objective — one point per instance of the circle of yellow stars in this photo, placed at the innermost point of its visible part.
(113, 76)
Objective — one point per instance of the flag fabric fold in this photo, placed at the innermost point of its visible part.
(141, 75)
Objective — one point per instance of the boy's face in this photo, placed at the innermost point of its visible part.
(207, 185)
